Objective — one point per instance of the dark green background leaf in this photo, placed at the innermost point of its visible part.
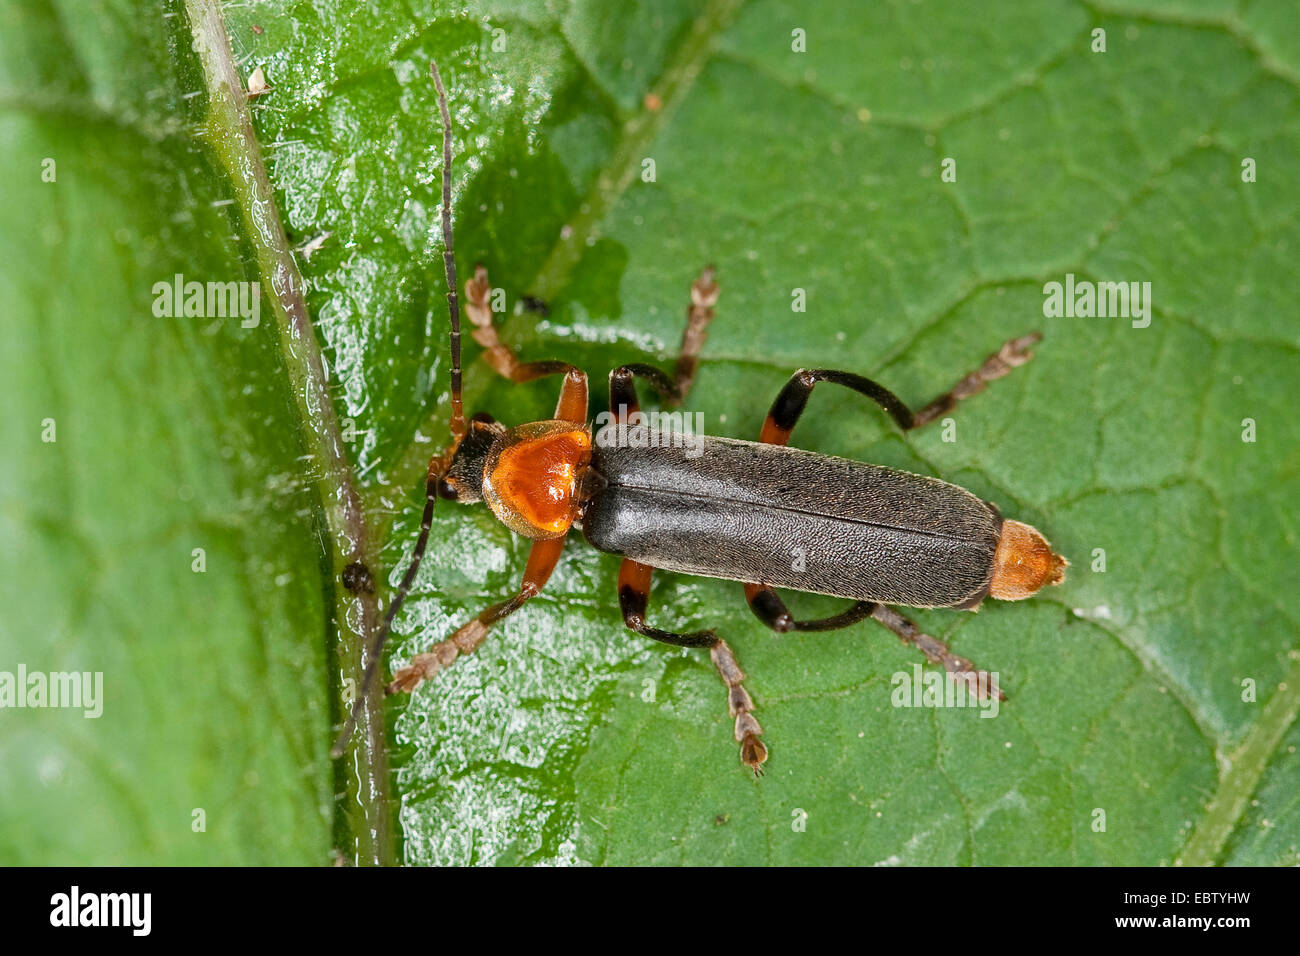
(817, 171)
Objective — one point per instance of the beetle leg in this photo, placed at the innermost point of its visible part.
(633, 596)
(623, 400)
(1013, 353)
(572, 404)
(704, 296)
(753, 752)
(542, 559)
(771, 610)
(501, 357)
(793, 398)
(980, 683)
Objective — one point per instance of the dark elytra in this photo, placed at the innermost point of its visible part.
(746, 511)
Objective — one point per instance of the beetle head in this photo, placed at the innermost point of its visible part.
(464, 479)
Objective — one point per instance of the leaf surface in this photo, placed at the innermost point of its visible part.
(567, 739)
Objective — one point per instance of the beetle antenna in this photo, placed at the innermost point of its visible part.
(458, 427)
(439, 463)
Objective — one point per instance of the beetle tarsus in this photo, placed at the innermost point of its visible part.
(423, 666)
(478, 307)
(753, 753)
(1013, 353)
(704, 296)
(981, 683)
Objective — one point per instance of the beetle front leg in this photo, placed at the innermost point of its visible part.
(633, 596)
(542, 559)
(501, 357)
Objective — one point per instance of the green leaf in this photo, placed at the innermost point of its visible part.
(565, 738)
(170, 435)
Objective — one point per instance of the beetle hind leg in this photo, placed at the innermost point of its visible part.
(793, 398)
(633, 596)
(981, 683)
(771, 610)
(1013, 353)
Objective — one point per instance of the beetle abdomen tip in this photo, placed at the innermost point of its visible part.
(1024, 562)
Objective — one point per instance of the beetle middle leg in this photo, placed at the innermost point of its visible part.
(633, 596)
(623, 400)
(704, 296)
(633, 576)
